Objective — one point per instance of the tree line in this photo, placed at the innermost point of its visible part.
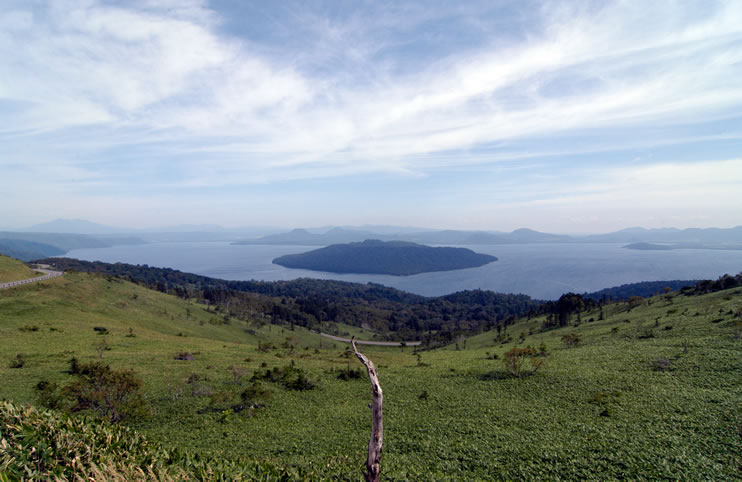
(310, 302)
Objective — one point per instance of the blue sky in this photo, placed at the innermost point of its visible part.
(558, 116)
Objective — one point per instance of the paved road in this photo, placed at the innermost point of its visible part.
(377, 343)
(48, 274)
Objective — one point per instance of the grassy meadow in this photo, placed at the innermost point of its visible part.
(653, 391)
(12, 270)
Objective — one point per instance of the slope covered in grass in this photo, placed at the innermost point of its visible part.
(13, 270)
(42, 444)
(651, 391)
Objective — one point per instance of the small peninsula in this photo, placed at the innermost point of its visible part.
(396, 258)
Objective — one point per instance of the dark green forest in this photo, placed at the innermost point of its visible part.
(310, 302)
(388, 312)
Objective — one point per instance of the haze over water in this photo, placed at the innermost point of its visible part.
(543, 271)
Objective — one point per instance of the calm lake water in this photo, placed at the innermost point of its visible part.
(543, 271)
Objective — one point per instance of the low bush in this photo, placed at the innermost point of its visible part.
(114, 395)
(48, 394)
(288, 376)
(660, 364)
(254, 394)
(515, 361)
(571, 339)
(349, 374)
(18, 361)
(606, 401)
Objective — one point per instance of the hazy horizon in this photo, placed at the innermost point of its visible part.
(278, 229)
(561, 117)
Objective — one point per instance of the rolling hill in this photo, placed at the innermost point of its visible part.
(12, 270)
(649, 390)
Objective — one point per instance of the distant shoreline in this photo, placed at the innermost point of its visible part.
(668, 247)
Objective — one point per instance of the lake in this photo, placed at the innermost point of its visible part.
(543, 271)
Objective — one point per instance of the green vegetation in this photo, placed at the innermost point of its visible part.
(647, 392)
(312, 303)
(42, 444)
(12, 270)
(384, 257)
(643, 288)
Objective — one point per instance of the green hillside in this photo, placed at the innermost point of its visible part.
(13, 270)
(650, 391)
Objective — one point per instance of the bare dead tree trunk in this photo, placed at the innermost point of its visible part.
(373, 462)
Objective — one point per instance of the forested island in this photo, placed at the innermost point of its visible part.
(396, 258)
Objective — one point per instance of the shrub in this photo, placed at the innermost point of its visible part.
(660, 364)
(219, 398)
(18, 361)
(289, 376)
(349, 374)
(101, 347)
(300, 383)
(29, 328)
(605, 400)
(571, 339)
(634, 301)
(111, 394)
(515, 361)
(74, 366)
(255, 393)
(48, 394)
(542, 351)
(265, 347)
(237, 373)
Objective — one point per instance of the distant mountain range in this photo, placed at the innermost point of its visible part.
(103, 235)
(343, 235)
(30, 246)
(396, 258)
(715, 238)
(178, 233)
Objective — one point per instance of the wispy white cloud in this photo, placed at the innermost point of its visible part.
(163, 82)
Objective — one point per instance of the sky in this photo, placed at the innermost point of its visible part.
(569, 117)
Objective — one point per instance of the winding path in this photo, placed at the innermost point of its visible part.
(48, 274)
(377, 343)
